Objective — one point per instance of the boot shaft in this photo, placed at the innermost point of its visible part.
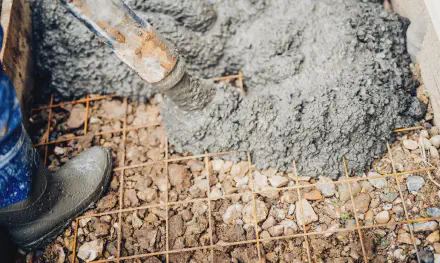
(18, 162)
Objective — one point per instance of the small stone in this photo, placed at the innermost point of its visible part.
(215, 193)
(59, 252)
(114, 183)
(434, 131)
(424, 133)
(361, 202)
(425, 226)
(387, 207)
(379, 183)
(270, 172)
(102, 229)
(332, 228)
(136, 221)
(332, 210)
(383, 217)
(309, 214)
(195, 165)
(113, 109)
(148, 195)
(437, 248)
(288, 223)
(433, 237)
(399, 254)
(433, 212)
(344, 191)
(265, 234)
(260, 181)
(177, 226)
(68, 232)
(398, 210)
(58, 150)
(187, 215)
(151, 218)
(241, 181)
(130, 197)
(380, 232)
(303, 178)
(276, 231)
(289, 197)
(270, 222)
(404, 237)
(154, 154)
(178, 175)
(278, 181)
(350, 223)
(366, 186)
(232, 213)
(369, 215)
(328, 190)
(261, 210)
(291, 209)
(217, 165)
(435, 140)
(279, 213)
(83, 222)
(240, 169)
(375, 203)
(200, 184)
(77, 116)
(414, 183)
(313, 195)
(410, 144)
(355, 187)
(90, 251)
(271, 256)
(390, 197)
(107, 202)
(426, 256)
(227, 166)
(94, 120)
(426, 143)
(434, 153)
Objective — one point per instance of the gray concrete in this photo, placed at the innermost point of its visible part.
(324, 78)
(424, 45)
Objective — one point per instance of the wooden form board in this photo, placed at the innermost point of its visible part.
(433, 7)
(16, 54)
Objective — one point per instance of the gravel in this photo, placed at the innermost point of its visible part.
(414, 183)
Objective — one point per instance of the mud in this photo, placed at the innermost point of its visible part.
(324, 78)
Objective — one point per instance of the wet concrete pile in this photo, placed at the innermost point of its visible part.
(324, 78)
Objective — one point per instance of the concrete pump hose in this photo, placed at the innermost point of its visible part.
(136, 43)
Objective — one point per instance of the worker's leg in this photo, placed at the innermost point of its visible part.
(18, 160)
(16, 152)
(35, 205)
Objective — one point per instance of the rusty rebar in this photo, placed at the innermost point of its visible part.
(396, 175)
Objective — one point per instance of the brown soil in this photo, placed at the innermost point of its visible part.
(233, 218)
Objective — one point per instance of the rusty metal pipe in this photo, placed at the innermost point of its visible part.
(136, 43)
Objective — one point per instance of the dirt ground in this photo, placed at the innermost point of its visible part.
(234, 203)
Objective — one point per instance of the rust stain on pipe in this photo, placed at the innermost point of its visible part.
(133, 40)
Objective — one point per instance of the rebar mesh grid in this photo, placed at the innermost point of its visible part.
(305, 233)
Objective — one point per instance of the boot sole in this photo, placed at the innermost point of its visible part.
(47, 238)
